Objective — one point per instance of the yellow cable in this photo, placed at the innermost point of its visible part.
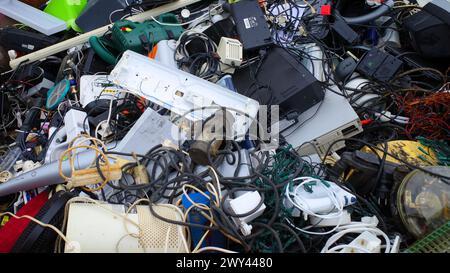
(313, 10)
(71, 153)
(406, 6)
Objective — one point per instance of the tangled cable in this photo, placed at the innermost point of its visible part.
(196, 53)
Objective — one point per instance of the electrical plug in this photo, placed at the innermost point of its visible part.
(387, 116)
(73, 247)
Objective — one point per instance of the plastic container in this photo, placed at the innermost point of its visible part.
(67, 10)
(215, 238)
(165, 53)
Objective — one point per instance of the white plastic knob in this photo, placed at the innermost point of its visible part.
(185, 13)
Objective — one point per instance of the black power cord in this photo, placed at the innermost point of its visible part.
(196, 54)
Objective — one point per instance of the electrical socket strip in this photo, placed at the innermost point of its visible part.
(97, 87)
(367, 241)
(181, 92)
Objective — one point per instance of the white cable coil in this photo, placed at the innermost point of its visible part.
(355, 228)
(335, 205)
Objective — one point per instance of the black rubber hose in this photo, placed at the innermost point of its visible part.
(363, 19)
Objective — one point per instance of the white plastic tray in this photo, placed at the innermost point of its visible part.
(32, 17)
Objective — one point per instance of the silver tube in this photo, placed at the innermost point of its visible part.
(363, 19)
(45, 175)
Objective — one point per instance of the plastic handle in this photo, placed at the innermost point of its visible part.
(101, 50)
(126, 23)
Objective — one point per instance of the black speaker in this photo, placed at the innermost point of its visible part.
(429, 30)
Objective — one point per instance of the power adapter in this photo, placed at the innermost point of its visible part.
(251, 24)
(379, 65)
(344, 31)
(345, 68)
(243, 206)
(388, 69)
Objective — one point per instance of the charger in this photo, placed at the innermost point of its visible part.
(242, 206)
(379, 65)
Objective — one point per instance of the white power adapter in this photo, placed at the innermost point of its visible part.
(244, 204)
(73, 121)
(231, 53)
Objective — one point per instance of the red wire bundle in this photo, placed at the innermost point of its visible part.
(429, 115)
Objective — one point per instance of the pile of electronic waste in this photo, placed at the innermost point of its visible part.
(236, 126)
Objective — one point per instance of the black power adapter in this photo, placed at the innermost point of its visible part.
(344, 31)
(379, 65)
(251, 24)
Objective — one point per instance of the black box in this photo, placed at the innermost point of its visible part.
(251, 24)
(25, 41)
(281, 80)
(429, 30)
(222, 28)
(345, 32)
(388, 69)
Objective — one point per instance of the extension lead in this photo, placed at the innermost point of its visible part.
(366, 242)
(333, 239)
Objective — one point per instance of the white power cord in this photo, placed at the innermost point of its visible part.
(200, 18)
(303, 206)
(355, 228)
(387, 116)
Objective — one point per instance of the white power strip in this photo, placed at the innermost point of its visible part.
(181, 92)
(97, 87)
(367, 241)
